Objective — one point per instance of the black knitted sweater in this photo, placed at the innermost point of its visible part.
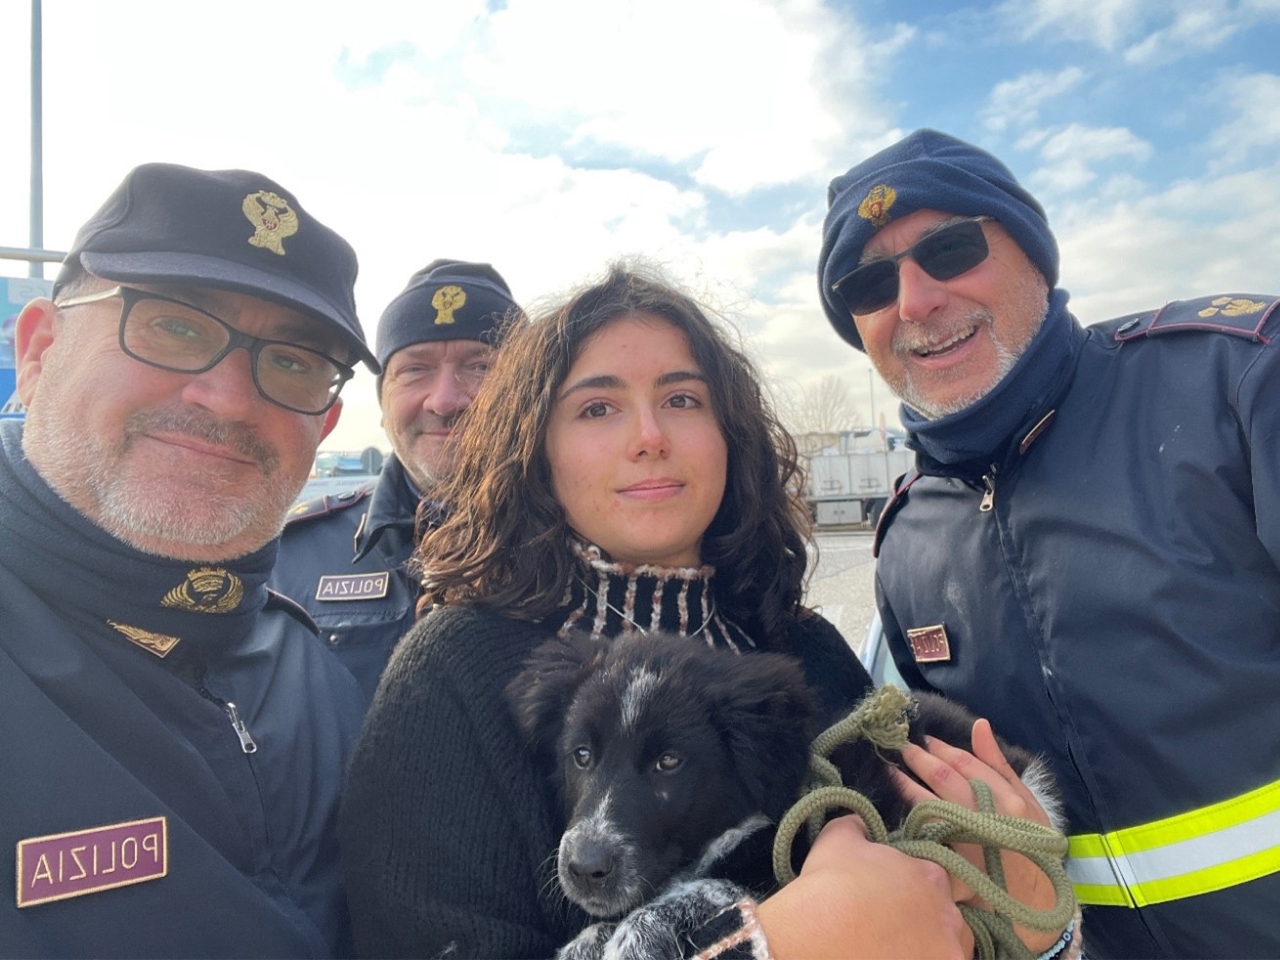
(449, 832)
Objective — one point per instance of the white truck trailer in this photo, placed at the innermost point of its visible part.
(849, 488)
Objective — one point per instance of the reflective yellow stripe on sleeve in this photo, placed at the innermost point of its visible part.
(1209, 849)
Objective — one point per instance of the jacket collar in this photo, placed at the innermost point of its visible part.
(392, 511)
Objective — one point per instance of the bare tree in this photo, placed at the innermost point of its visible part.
(819, 407)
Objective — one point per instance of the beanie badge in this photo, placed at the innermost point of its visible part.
(272, 218)
(446, 300)
(875, 205)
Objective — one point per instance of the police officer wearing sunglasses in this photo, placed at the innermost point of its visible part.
(1088, 553)
(172, 735)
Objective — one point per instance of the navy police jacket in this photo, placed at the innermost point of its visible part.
(1107, 591)
(140, 814)
(343, 558)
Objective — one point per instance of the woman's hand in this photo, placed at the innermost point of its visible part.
(946, 771)
(855, 898)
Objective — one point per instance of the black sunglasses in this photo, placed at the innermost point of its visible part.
(943, 254)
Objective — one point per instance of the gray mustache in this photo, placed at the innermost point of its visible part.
(208, 429)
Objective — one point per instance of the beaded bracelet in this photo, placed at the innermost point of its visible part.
(1061, 943)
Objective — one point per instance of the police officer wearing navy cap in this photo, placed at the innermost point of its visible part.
(172, 735)
(1088, 553)
(343, 557)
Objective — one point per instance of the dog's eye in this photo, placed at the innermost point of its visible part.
(582, 757)
(668, 762)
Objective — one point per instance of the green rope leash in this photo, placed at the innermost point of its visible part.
(883, 718)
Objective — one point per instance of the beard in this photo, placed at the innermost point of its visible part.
(1031, 300)
(430, 466)
(156, 510)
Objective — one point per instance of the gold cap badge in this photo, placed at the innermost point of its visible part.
(875, 205)
(446, 300)
(206, 590)
(272, 218)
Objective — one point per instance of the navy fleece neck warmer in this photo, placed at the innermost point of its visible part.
(979, 431)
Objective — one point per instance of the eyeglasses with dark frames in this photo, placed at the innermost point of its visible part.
(176, 336)
(943, 254)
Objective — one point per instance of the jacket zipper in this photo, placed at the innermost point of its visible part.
(989, 495)
(247, 743)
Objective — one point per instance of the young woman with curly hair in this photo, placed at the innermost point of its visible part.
(620, 471)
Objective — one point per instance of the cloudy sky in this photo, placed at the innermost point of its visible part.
(548, 136)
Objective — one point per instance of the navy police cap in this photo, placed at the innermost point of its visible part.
(229, 229)
(446, 300)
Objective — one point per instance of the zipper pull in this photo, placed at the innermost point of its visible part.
(246, 738)
(989, 495)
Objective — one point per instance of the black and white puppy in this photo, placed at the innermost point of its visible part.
(669, 754)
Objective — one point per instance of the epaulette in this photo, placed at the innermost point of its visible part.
(327, 504)
(1236, 314)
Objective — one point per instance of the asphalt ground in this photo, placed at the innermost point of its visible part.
(842, 585)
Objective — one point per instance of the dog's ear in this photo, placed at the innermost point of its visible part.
(540, 694)
(765, 711)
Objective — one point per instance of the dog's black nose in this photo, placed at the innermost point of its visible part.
(592, 862)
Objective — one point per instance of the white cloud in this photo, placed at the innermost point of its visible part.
(1071, 154)
(1203, 25)
(1211, 235)
(1104, 23)
(741, 110)
(1254, 101)
(1148, 32)
(1017, 102)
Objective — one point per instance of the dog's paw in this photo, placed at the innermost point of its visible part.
(659, 928)
(589, 944)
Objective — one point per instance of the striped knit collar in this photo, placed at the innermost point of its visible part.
(609, 598)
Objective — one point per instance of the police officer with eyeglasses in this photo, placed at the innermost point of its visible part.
(172, 736)
(1088, 552)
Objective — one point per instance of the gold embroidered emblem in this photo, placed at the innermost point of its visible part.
(875, 205)
(1232, 307)
(158, 643)
(272, 218)
(206, 590)
(446, 300)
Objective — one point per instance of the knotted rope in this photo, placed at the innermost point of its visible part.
(883, 718)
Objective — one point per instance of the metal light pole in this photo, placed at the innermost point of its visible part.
(871, 391)
(36, 267)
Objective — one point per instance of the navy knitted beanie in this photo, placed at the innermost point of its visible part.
(927, 170)
(446, 300)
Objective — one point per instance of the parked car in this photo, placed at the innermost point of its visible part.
(875, 656)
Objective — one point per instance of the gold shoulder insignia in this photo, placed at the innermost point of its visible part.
(875, 205)
(272, 218)
(446, 300)
(206, 590)
(158, 643)
(1232, 307)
